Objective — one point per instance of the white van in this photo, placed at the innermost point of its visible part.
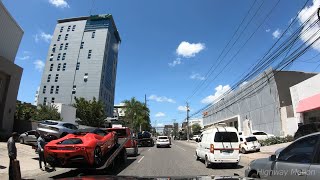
(219, 144)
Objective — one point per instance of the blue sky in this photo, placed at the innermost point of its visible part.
(167, 46)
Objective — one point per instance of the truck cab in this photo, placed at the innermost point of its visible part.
(125, 132)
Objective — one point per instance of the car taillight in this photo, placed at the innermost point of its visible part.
(78, 148)
(211, 148)
(245, 143)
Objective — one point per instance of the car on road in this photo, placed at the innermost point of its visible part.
(196, 137)
(125, 132)
(84, 147)
(28, 137)
(299, 160)
(249, 144)
(163, 141)
(56, 129)
(260, 135)
(219, 144)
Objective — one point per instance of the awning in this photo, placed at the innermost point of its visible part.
(308, 104)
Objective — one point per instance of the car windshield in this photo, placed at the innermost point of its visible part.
(226, 137)
(250, 139)
(176, 88)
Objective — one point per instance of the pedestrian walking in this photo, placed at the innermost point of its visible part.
(41, 143)
(12, 152)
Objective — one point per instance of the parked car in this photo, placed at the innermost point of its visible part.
(307, 129)
(28, 137)
(196, 137)
(125, 132)
(219, 144)
(163, 141)
(260, 135)
(84, 147)
(299, 160)
(249, 143)
(56, 129)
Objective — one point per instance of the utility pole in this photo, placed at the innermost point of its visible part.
(145, 112)
(188, 121)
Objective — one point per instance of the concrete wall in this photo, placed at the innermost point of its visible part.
(67, 112)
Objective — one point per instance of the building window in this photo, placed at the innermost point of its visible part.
(61, 29)
(59, 66)
(49, 77)
(85, 77)
(51, 67)
(51, 89)
(63, 56)
(74, 88)
(44, 89)
(57, 78)
(73, 27)
(58, 57)
(54, 48)
(81, 46)
(69, 27)
(61, 46)
(59, 37)
(44, 100)
(89, 54)
(51, 57)
(64, 66)
(66, 47)
(52, 100)
(93, 34)
(78, 66)
(57, 89)
(66, 37)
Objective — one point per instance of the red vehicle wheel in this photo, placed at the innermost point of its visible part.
(97, 156)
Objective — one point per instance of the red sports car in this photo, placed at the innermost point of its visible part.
(84, 147)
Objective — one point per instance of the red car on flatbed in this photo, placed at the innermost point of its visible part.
(125, 132)
(84, 147)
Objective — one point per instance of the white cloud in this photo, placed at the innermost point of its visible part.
(175, 62)
(268, 30)
(220, 90)
(244, 83)
(160, 114)
(276, 34)
(43, 36)
(161, 99)
(188, 50)
(183, 108)
(160, 125)
(303, 15)
(59, 3)
(24, 57)
(197, 76)
(39, 65)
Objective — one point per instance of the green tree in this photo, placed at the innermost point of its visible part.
(24, 111)
(196, 128)
(137, 114)
(46, 112)
(90, 113)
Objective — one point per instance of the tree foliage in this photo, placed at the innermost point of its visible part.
(90, 113)
(137, 114)
(196, 128)
(46, 112)
(24, 111)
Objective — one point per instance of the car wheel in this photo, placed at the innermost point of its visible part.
(258, 150)
(97, 156)
(63, 134)
(243, 151)
(254, 175)
(206, 162)
(197, 157)
(21, 140)
(235, 165)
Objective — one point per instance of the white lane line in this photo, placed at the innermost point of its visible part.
(149, 149)
(180, 147)
(140, 159)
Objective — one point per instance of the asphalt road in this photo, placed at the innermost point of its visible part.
(179, 160)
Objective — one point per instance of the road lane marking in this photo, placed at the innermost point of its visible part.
(180, 147)
(140, 159)
(149, 149)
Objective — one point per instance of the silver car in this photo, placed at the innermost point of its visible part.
(300, 160)
(56, 129)
(28, 137)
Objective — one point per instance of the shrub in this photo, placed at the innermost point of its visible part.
(276, 140)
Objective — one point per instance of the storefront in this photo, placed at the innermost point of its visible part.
(309, 108)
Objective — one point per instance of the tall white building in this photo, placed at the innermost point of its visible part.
(82, 61)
